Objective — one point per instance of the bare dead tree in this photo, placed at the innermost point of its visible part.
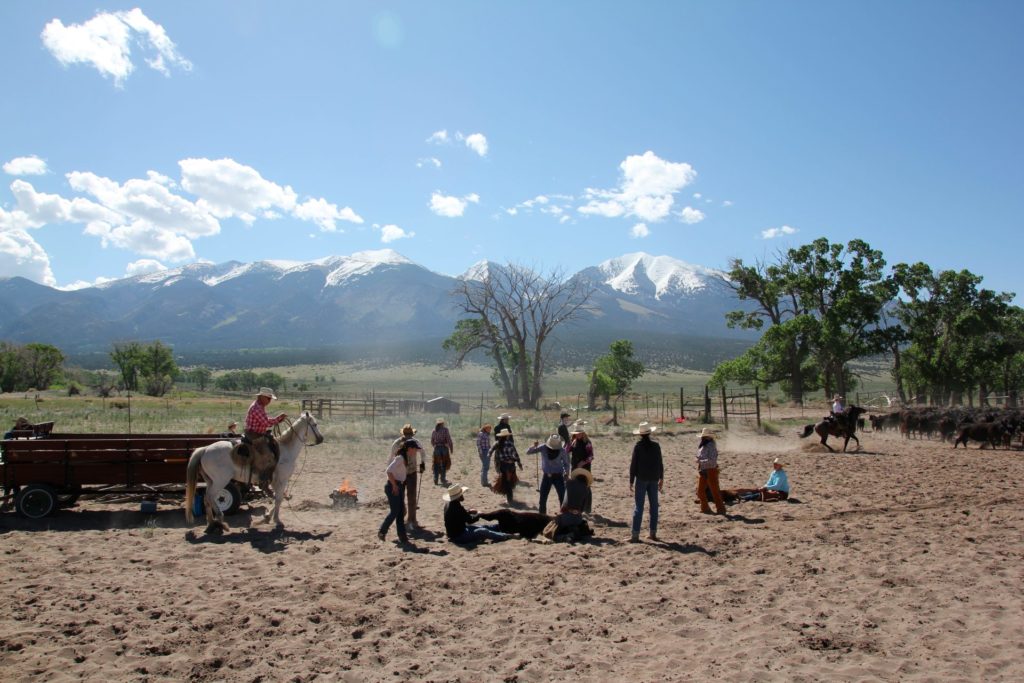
(512, 313)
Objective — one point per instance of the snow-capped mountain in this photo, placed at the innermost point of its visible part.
(657, 276)
(366, 299)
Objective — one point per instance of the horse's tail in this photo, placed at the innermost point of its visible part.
(191, 479)
(808, 430)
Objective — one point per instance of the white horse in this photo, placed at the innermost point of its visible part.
(215, 464)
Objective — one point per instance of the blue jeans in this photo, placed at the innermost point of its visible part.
(546, 483)
(396, 501)
(643, 488)
(480, 532)
(485, 466)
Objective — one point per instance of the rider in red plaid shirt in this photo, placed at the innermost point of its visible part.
(258, 423)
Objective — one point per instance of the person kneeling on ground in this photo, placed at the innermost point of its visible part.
(776, 488)
(569, 524)
(459, 523)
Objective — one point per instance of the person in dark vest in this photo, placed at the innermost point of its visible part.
(646, 478)
(581, 454)
(503, 423)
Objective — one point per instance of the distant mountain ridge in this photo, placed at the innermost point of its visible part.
(369, 299)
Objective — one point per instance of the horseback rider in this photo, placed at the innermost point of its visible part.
(838, 409)
(258, 425)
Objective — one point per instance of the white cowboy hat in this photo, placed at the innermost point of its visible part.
(579, 471)
(454, 492)
(778, 461)
(554, 441)
(504, 416)
(578, 427)
(266, 391)
(503, 432)
(707, 433)
(645, 428)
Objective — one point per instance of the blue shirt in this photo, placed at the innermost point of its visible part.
(552, 460)
(778, 481)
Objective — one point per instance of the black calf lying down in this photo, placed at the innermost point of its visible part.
(526, 524)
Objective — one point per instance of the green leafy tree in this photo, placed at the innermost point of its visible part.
(200, 376)
(12, 368)
(237, 380)
(157, 369)
(272, 380)
(127, 356)
(42, 364)
(614, 372)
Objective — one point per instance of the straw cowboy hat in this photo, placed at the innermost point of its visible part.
(710, 434)
(778, 461)
(407, 430)
(454, 492)
(440, 421)
(579, 471)
(504, 432)
(578, 427)
(645, 428)
(266, 391)
(554, 441)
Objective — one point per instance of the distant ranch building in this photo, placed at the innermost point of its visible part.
(442, 405)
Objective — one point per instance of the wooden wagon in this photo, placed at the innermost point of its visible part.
(46, 472)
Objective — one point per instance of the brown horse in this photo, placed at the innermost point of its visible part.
(844, 424)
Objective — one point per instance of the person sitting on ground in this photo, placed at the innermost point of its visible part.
(460, 524)
(776, 488)
(569, 522)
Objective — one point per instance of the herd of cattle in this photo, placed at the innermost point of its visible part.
(987, 426)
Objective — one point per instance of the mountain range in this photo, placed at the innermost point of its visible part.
(366, 304)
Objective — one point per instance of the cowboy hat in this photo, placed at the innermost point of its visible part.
(407, 430)
(707, 433)
(837, 397)
(266, 391)
(554, 441)
(578, 427)
(440, 421)
(504, 416)
(503, 432)
(454, 492)
(778, 461)
(580, 472)
(565, 413)
(645, 428)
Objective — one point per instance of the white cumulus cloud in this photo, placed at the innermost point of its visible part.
(646, 189)
(691, 215)
(106, 42)
(325, 214)
(451, 207)
(20, 255)
(428, 161)
(476, 142)
(391, 233)
(772, 233)
(639, 230)
(438, 137)
(143, 266)
(30, 165)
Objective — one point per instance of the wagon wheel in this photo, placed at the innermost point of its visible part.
(68, 495)
(36, 501)
(229, 499)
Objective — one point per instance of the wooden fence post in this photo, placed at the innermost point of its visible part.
(707, 405)
(757, 405)
(682, 404)
(725, 410)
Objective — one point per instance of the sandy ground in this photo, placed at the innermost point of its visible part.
(902, 562)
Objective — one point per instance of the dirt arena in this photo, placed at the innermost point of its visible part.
(904, 561)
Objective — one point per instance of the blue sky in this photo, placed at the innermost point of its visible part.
(145, 135)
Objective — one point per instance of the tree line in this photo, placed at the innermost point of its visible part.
(822, 305)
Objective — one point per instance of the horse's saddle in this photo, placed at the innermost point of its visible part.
(255, 453)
